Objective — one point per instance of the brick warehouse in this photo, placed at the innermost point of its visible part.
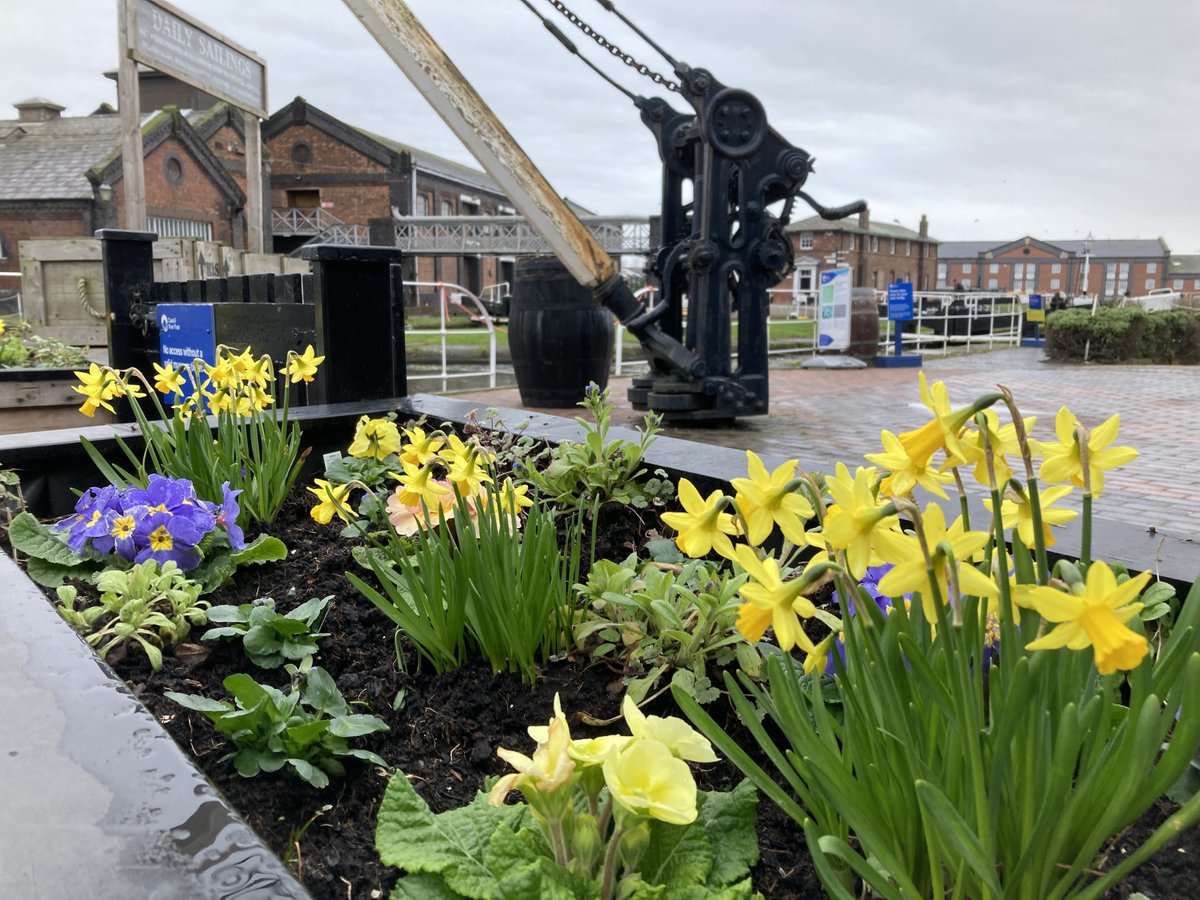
(60, 176)
(877, 253)
(319, 162)
(1116, 268)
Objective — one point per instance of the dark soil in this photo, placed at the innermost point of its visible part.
(444, 731)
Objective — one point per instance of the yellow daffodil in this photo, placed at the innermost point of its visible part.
(417, 486)
(942, 433)
(98, 385)
(3, 327)
(907, 471)
(1094, 617)
(645, 779)
(857, 522)
(374, 439)
(1016, 512)
(676, 735)
(168, 379)
(303, 366)
(908, 572)
(702, 526)
(1063, 460)
(766, 500)
(1003, 442)
(333, 498)
(418, 447)
(772, 601)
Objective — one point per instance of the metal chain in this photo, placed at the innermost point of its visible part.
(612, 48)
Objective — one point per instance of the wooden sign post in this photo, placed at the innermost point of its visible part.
(156, 34)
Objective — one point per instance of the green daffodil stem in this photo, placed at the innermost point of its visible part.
(1085, 550)
(1039, 534)
(608, 877)
(963, 505)
(1001, 569)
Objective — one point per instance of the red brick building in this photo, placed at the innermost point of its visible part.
(877, 253)
(1030, 265)
(60, 176)
(321, 165)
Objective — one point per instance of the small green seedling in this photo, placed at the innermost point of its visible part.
(271, 638)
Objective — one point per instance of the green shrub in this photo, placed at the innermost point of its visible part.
(1123, 335)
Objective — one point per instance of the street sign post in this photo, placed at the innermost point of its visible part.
(1036, 315)
(899, 310)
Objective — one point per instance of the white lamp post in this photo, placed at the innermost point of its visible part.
(1087, 260)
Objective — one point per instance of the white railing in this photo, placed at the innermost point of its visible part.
(452, 297)
(13, 294)
(509, 235)
(949, 321)
(494, 293)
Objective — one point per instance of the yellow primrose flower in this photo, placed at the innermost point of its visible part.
(702, 526)
(908, 563)
(1063, 461)
(676, 735)
(857, 522)
(419, 448)
(772, 601)
(1094, 617)
(645, 779)
(333, 497)
(593, 751)
(417, 517)
(548, 769)
(168, 379)
(769, 500)
(907, 471)
(374, 439)
(417, 486)
(302, 366)
(1016, 512)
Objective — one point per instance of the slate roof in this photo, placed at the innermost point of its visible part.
(49, 160)
(1134, 248)
(1184, 266)
(879, 229)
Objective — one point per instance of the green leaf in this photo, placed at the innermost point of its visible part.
(960, 840)
(263, 548)
(664, 550)
(423, 887)
(50, 574)
(678, 855)
(213, 572)
(730, 820)
(34, 539)
(453, 844)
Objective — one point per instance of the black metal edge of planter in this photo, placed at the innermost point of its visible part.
(167, 821)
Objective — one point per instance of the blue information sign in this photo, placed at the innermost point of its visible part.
(900, 302)
(186, 333)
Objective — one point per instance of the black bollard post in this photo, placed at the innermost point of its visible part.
(359, 322)
(128, 261)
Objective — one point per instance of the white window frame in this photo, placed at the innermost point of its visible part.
(941, 274)
(1149, 284)
(1151, 268)
(1177, 284)
(851, 246)
(1056, 268)
(993, 284)
(893, 246)
(966, 268)
(1055, 284)
(994, 268)
(874, 243)
(806, 240)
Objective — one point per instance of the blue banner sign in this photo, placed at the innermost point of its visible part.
(900, 302)
(185, 334)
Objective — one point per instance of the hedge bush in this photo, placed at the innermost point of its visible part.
(1124, 335)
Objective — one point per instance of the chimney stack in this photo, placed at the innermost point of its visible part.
(924, 232)
(864, 219)
(37, 109)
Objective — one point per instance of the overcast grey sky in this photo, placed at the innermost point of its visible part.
(997, 119)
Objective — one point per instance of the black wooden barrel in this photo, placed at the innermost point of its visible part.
(560, 338)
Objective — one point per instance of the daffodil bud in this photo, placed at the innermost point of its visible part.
(586, 845)
(633, 844)
(1069, 573)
